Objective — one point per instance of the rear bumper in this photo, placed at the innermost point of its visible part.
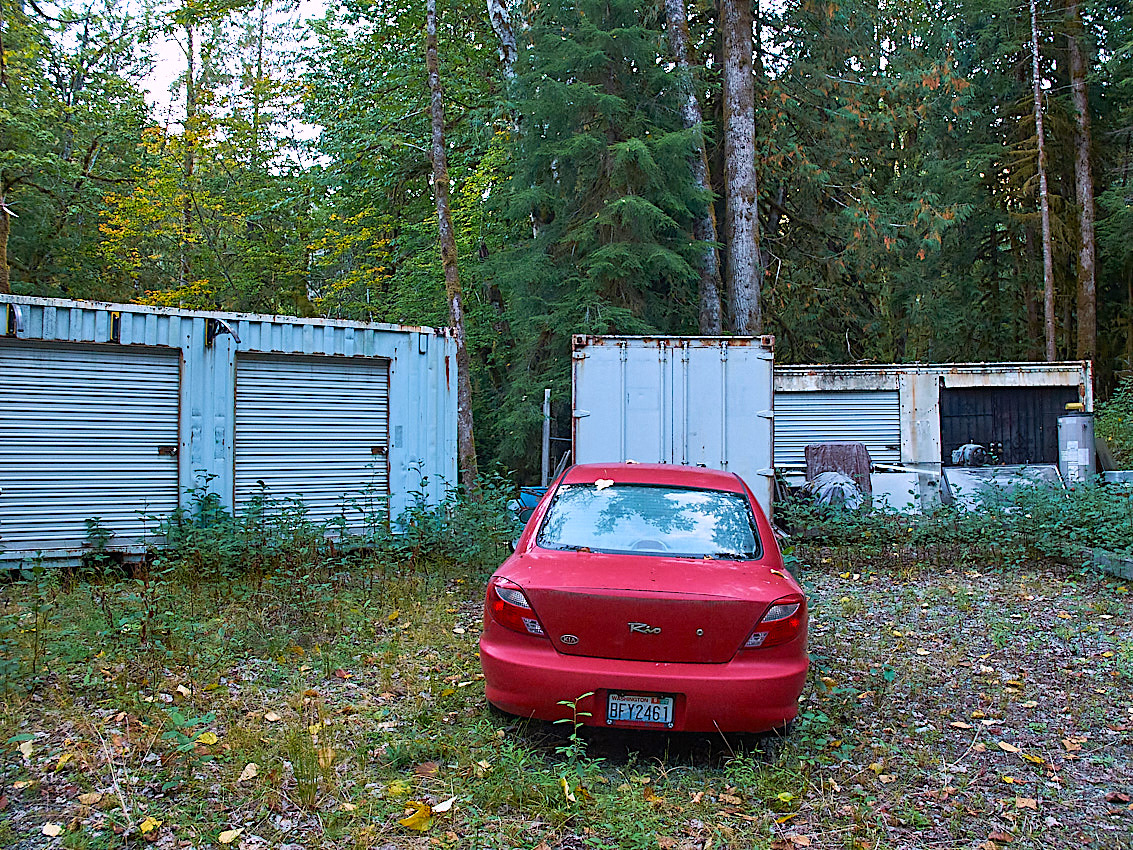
(755, 692)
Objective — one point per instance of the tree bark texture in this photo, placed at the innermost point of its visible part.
(741, 224)
(466, 446)
(1044, 196)
(704, 226)
(500, 20)
(1084, 188)
(5, 229)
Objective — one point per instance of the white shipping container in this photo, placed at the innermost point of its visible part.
(698, 401)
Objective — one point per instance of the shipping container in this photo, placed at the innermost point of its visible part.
(117, 414)
(914, 415)
(703, 401)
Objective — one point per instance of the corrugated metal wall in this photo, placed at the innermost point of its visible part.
(873, 418)
(314, 429)
(395, 387)
(84, 435)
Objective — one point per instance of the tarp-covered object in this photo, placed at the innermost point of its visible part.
(836, 490)
(850, 459)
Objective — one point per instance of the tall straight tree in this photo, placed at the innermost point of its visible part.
(704, 226)
(1084, 188)
(741, 223)
(499, 16)
(466, 446)
(1044, 195)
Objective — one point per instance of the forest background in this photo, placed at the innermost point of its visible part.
(897, 166)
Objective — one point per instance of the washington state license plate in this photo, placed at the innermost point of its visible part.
(651, 709)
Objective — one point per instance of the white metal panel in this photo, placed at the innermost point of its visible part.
(873, 418)
(684, 400)
(314, 429)
(86, 432)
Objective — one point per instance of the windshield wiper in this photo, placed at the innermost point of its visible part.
(732, 556)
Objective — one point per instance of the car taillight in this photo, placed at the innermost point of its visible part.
(780, 624)
(509, 607)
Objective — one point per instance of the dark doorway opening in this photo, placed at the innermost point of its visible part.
(1018, 424)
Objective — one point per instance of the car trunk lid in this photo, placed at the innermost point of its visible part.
(648, 608)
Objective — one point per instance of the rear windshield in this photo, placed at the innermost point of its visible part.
(650, 520)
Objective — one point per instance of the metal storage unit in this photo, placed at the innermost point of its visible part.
(288, 447)
(683, 400)
(380, 387)
(85, 435)
(930, 424)
(869, 417)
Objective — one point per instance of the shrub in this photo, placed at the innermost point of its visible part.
(1114, 423)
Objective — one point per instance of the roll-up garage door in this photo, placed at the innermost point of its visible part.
(314, 429)
(86, 432)
(870, 417)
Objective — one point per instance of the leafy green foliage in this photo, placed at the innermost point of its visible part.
(1113, 422)
(1009, 527)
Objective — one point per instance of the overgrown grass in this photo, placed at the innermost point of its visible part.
(261, 679)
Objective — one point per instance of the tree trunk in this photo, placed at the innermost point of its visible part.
(465, 445)
(741, 220)
(1044, 197)
(189, 162)
(704, 226)
(501, 24)
(5, 229)
(1084, 187)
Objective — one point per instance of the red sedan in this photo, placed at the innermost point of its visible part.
(650, 596)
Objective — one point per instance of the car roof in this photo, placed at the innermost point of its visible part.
(672, 474)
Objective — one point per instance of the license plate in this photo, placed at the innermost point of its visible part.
(650, 709)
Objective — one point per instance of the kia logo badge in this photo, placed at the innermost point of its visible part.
(569, 640)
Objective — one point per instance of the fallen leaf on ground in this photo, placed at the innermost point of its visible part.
(272, 717)
(1116, 797)
(1006, 747)
(419, 817)
(207, 738)
(52, 829)
(92, 798)
(230, 835)
(1026, 803)
(956, 724)
(251, 771)
(441, 808)
(1001, 837)
(149, 824)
